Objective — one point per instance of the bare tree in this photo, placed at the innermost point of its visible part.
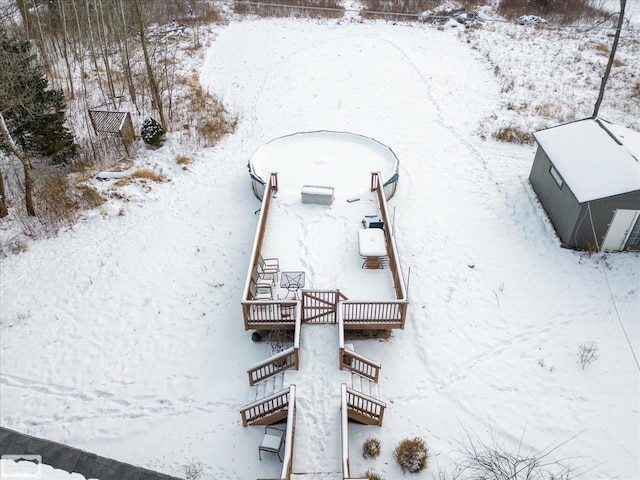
(495, 460)
(153, 83)
(23, 156)
(3, 197)
(612, 55)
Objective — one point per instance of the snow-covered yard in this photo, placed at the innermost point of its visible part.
(124, 335)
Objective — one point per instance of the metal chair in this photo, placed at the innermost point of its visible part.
(262, 281)
(259, 293)
(272, 441)
(269, 266)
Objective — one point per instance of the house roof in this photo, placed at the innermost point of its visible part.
(73, 460)
(595, 158)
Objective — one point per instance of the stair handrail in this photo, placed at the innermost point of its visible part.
(366, 410)
(344, 430)
(274, 396)
(361, 362)
(358, 363)
(287, 459)
(281, 361)
(273, 365)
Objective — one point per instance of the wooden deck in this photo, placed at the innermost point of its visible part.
(359, 295)
(358, 402)
(338, 290)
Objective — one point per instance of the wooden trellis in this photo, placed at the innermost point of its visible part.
(113, 124)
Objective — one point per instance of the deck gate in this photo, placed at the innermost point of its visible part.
(320, 306)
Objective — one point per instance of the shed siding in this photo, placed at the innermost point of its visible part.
(602, 213)
(559, 203)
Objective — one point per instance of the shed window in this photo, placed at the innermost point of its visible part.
(556, 176)
(634, 236)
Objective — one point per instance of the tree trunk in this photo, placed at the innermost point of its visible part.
(65, 46)
(127, 59)
(612, 55)
(104, 49)
(3, 197)
(153, 83)
(26, 166)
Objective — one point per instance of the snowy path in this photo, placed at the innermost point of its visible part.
(317, 442)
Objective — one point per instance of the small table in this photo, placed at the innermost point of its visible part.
(372, 247)
(292, 281)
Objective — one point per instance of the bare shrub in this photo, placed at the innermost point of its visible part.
(89, 197)
(498, 462)
(367, 335)
(412, 455)
(122, 182)
(56, 206)
(373, 475)
(587, 353)
(211, 118)
(410, 8)
(184, 161)
(548, 110)
(14, 245)
(146, 174)
(602, 49)
(513, 134)
(193, 470)
(371, 448)
(559, 10)
(293, 8)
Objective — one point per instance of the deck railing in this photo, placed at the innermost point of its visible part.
(267, 410)
(289, 358)
(270, 314)
(320, 306)
(287, 460)
(350, 360)
(289, 439)
(344, 430)
(392, 251)
(373, 314)
(363, 408)
(359, 364)
(265, 315)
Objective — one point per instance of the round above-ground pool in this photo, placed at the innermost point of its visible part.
(340, 160)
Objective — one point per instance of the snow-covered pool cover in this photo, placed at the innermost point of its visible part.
(590, 161)
(340, 160)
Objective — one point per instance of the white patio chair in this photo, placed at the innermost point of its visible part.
(262, 281)
(269, 266)
(272, 441)
(259, 293)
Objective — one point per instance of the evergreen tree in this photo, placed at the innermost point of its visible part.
(34, 114)
(152, 132)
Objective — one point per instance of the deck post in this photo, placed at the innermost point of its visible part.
(374, 181)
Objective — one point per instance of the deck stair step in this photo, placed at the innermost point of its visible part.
(364, 385)
(317, 476)
(270, 385)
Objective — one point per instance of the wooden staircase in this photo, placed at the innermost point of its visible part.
(268, 410)
(365, 385)
(363, 408)
(270, 386)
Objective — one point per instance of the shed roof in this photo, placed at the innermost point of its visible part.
(595, 158)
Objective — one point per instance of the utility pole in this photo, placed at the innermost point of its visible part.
(616, 38)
